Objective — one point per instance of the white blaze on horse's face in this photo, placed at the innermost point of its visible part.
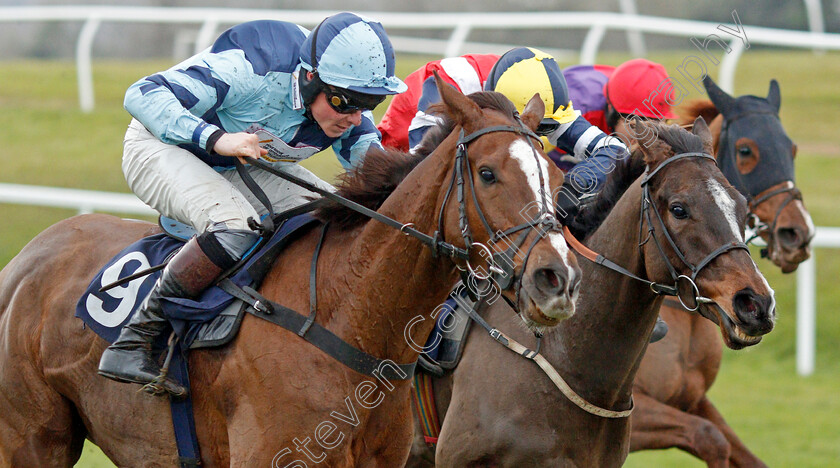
(535, 166)
(726, 205)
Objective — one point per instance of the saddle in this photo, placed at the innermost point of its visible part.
(210, 320)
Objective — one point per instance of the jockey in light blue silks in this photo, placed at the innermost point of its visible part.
(265, 89)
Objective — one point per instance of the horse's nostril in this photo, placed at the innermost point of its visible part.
(789, 237)
(575, 285)
(551, 281)
(745, 304)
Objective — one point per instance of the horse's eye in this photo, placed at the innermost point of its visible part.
(745, 150)
(487, 175)
(679, 211)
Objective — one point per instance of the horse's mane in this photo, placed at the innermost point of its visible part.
(594, 213)
(625, 173)
(373, 181)
(698, 107)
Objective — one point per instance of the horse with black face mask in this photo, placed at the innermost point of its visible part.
(756, 156)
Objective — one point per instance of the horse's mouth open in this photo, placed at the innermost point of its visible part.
(733, 335)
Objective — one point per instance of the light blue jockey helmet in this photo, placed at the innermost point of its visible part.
(350, 52)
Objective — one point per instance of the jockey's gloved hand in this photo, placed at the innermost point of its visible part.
(567, 203)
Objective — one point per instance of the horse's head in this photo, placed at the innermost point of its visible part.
(504, 202)
(757, 156)
(692, 233)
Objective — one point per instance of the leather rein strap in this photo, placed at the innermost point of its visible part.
(546, 367)
(433, 243)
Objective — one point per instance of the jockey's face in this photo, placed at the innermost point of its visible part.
(334, 124)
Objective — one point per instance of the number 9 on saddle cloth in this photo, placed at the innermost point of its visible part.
(210, 320)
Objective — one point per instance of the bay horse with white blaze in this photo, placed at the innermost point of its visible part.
(260, 400)
(756, 155)
(681, 218)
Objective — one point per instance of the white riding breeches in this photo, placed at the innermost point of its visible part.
(177, 184)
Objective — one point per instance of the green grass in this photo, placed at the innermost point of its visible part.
(787, 420)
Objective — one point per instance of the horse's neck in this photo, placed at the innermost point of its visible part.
(601, 346)
(382, 279)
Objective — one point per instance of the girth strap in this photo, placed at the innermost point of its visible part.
(319, 336)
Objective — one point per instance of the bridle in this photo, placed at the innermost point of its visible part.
(500, 263)
(682, 283)
(647, 205)
(759, 227)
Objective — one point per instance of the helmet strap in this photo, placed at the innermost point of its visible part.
(309, 89)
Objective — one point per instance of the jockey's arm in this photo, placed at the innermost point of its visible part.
(597, 151)
(422, 122)
(174, 104)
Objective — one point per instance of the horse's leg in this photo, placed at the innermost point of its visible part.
(38, 427)
(740, 457)
(656, 425)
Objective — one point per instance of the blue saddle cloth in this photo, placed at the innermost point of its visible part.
(106, 312)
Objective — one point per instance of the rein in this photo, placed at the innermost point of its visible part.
(498, 267)
(434, 243)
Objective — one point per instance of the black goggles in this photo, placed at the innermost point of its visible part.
(345, 101)
(547, 127)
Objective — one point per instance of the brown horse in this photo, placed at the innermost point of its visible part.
(672, 409)
(500, 410)
(261, 400)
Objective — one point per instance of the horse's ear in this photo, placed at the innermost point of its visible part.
(533, 112)
(702, 130)
(646, 138)
(774, 96)
(722, 101)
(462, 110)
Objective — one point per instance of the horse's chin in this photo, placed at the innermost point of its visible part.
(733, 335)
(539, 317)
(787, 260)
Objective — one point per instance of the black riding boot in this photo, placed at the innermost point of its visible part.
(130, 359)
(660, 329)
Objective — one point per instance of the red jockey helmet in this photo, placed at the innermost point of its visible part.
(639, 87)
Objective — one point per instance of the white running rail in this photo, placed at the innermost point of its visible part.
(461, 25)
